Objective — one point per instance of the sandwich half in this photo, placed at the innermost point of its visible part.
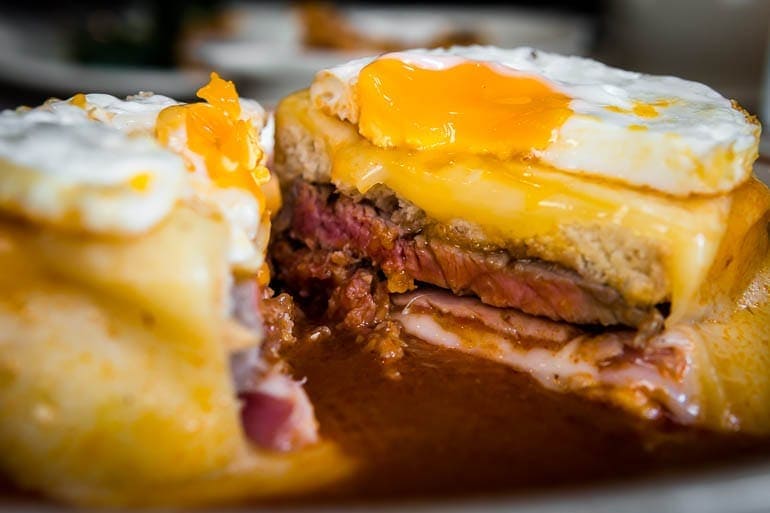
(596, 228)
(135, 317)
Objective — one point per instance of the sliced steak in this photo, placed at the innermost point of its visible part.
(322, 219)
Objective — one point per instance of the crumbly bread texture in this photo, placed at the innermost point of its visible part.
(600, 252)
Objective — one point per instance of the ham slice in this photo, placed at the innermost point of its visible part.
(652, 382)
(275, 410)
(276, 413)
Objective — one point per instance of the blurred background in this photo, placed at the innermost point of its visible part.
(270, 49)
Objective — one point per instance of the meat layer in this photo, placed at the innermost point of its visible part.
(653, 382)
(275, 411)
(649, 379)
(321, 219)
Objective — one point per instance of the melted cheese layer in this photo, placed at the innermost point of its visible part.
(665, 133)
(520, 200)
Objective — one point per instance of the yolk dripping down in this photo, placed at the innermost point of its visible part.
(215, 131)
(468, 107)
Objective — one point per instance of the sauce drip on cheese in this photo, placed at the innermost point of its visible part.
(469, 107)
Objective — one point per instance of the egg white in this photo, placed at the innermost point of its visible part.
(59, 166)
(700, 142)
(72, 166)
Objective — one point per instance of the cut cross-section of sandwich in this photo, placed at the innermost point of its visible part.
(134, 312)
(597, 228)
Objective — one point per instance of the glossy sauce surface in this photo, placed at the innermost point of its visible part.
(438, 425)
(453, 425)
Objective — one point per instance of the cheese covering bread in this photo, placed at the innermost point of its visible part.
(578, 115)
(576, 194)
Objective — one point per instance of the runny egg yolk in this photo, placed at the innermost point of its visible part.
(469, 107)
(79, 100)
(214, 130)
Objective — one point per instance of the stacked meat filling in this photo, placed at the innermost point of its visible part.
(364, 264)
(328, 222)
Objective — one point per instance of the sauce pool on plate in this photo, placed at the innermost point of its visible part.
(449, 424)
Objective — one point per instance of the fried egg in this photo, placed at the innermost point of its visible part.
(97, 163)
(573, 114)
(63, 168)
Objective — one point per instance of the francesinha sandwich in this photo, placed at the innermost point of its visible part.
(596, 228)
(134, 310)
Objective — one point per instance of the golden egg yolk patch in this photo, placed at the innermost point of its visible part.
(468, 107)
(228, 145)
(641, 109)
(79, 100)
(141, 182)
